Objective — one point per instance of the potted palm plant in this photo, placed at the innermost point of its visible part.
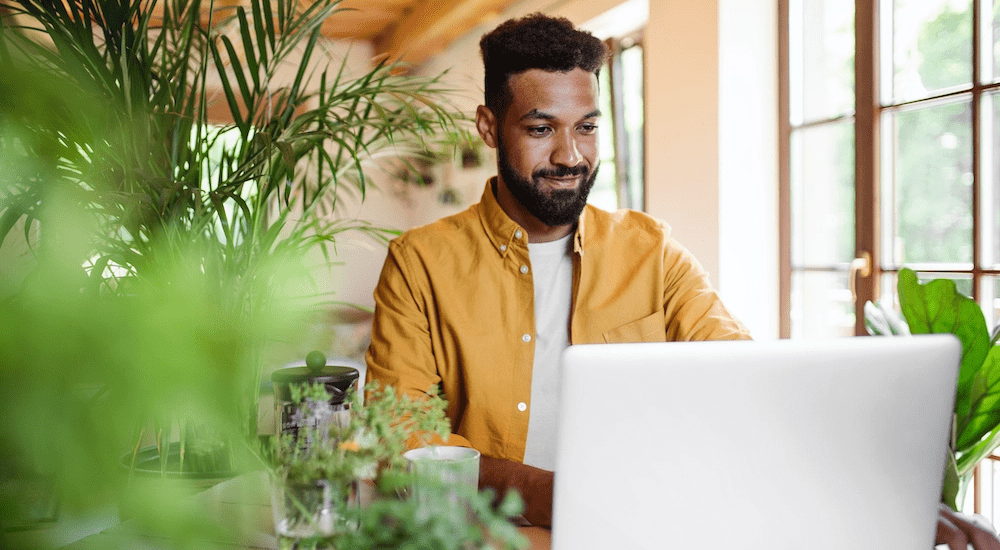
(937, 307)
(157, 176)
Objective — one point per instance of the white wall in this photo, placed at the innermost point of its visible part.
(711, 144)
(682, 123)
(748, 162)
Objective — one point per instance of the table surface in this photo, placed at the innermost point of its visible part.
(243, 507)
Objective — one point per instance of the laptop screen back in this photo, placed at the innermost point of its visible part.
(828, 445)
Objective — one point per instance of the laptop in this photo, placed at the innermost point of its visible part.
(782, 445)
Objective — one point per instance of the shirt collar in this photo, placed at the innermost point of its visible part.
(503, 231)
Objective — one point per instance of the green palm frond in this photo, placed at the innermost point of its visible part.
(133, 143)
(154, 157)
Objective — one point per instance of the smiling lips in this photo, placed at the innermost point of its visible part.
(564, 182)
(563, 177)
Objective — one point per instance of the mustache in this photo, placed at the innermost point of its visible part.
(561, 172)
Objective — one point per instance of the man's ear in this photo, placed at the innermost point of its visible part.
(486, 123)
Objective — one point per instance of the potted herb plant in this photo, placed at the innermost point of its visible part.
(937, 307)
(317, 474)
(162, 180)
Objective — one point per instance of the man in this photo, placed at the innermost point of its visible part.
(484, 302)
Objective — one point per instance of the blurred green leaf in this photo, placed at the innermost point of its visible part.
(164, 251)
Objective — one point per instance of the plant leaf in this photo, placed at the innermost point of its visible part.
(968, 460)
(938, 307)
(234, 107)
(952, 482)
(985, 402)
(875, 321)
(882, 320)
(287, 155)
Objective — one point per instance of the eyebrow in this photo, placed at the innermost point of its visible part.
(535, 114)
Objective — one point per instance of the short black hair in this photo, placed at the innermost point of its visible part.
(535, 41)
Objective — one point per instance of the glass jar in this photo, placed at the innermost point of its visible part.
(308, 515)
(291, 417)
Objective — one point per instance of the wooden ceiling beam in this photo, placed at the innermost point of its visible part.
(364, 19)
(429, 27)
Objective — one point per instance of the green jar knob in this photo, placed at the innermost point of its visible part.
(315, 360)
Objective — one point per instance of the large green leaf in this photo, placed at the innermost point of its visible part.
(984, 400)
(973, 455)
(938, 307)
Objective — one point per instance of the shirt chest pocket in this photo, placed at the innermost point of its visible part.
(648, 329)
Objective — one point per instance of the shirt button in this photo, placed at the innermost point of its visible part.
(526, 338)
(503, 248)
(522, 406)
(517, 234)
(524, 269)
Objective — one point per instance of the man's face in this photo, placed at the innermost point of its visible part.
(547, 142)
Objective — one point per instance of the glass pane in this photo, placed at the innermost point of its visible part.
(927, 214)
(994, 468)
(987, 490)
(991, 40)
(989, 164)
(603, 194)
(995, 301)
(887, 290)
(635, 115)
(821, 59)
(822, 195)
(821, 305)
(932, 47)
(963, 282)
(989, 297)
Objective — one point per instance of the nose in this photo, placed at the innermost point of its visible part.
(566, 152)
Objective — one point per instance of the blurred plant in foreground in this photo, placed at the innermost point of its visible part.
(161, 250)
(83, 372)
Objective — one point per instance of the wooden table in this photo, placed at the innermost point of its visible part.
(242, 507)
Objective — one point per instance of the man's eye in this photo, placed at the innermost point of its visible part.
(538, 131)
(588, 128)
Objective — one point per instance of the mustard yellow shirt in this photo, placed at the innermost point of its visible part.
(454, 306)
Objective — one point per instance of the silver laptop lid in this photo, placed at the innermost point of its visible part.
(828, 445)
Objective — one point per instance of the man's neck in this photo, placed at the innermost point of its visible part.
(538, 232)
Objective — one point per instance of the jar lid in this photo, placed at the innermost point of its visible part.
(337, 379)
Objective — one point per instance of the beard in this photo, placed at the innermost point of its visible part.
(553, 207)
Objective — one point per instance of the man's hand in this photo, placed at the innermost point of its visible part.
(960, 530)
(534, 484)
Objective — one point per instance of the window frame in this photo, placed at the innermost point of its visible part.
(867, 116)
(620, 135)
(869, 111)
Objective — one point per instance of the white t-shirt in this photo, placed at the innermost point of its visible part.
(552, 275)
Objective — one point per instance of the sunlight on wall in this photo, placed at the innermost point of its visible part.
(748, 163)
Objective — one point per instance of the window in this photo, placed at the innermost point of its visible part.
(890, 157)
(890, 151)
(820, 186)
(620, 180)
